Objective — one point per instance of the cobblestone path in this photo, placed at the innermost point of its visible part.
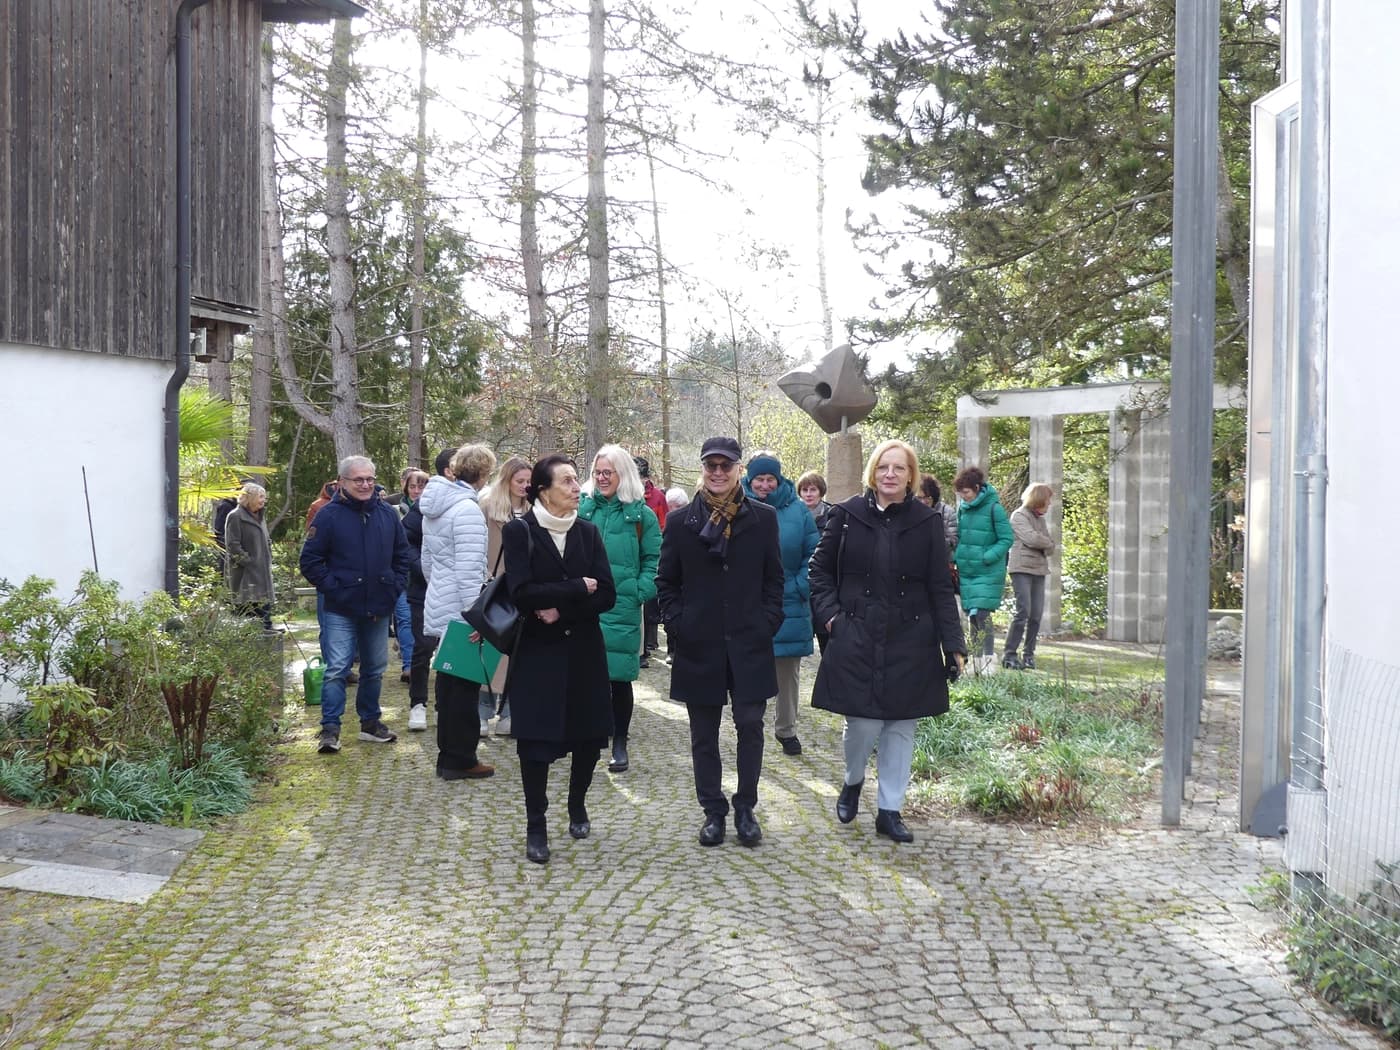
(366, 904)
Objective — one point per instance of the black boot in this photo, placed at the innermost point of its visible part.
(580, 779)
(534, 777)
(889, 822)
(619, 761)
(848, 802)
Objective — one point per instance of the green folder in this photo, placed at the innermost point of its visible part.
(461, 657)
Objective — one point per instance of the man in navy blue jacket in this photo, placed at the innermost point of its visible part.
(357, 556)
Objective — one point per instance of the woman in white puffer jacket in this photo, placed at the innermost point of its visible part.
(454, 564)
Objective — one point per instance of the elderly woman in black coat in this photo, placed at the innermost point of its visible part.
(881, 585)
(720, 587)
(560, 697)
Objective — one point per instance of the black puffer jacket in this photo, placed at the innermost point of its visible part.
(883, 577)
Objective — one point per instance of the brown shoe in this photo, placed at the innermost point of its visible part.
(480, 771)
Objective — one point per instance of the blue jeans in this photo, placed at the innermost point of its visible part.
(340, 637)
(403, 629)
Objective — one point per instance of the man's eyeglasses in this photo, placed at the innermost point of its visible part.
(360, 481)
(718, 466)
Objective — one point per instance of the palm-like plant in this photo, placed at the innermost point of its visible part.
(207, 426)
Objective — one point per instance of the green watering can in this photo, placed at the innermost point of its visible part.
(311, 677)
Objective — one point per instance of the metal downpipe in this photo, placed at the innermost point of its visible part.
(183, 253)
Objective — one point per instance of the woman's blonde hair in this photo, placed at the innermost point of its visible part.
(910, 456)
(497, 503)
(471, 463)
(629, 481)
(250, 491)
(1037, 496)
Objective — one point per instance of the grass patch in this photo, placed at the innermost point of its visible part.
(1027, 747)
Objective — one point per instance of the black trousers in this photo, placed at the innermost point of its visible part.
(534, 778)
(704, 754)
(651, 619)
(622, 705)
(424, 645)
(458, 727)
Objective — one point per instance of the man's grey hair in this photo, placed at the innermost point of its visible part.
(349, 463)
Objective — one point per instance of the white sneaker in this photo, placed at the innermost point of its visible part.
(503, 726)
(485, 728)
(418, 717)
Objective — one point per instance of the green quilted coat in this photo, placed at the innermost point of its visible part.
(984, 538)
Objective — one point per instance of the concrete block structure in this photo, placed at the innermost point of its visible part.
(1138, 485)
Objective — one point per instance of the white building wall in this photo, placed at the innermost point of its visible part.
(61, 411)
(1363, 435)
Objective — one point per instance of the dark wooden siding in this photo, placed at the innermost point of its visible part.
(87, 169)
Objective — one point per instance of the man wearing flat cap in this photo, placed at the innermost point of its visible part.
(720, 587)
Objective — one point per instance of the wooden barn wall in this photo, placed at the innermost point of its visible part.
(87, 173)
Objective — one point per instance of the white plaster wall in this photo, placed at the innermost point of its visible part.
(60, 411)
(1363, 438)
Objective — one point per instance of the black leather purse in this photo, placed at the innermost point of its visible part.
(493, 615)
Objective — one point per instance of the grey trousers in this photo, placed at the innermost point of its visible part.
(896, 739)
(785, 711)
(1030, 604)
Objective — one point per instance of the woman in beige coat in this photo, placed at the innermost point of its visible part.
(1028, 564)
(502, 502)
(250, 555)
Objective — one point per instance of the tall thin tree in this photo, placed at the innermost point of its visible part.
(597, 380)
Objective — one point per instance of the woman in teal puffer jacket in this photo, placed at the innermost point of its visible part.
(797, 539)
(632, 538)
(984, 538)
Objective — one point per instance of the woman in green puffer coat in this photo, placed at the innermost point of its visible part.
(984, 538)
(617, 505)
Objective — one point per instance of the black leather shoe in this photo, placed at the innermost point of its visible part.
(889, 822)
(579, 829)
(537, 847)
(619, 762)
(791, 745)
(712, 834)
(848, 802)
(746, 827)
(1012, 662)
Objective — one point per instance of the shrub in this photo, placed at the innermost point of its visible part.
(1084, 567)
(159, 790)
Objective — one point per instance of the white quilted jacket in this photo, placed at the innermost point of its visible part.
(454, 551)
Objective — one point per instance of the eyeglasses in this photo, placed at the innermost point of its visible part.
(603, 475)
(718, 466)
(360, 481)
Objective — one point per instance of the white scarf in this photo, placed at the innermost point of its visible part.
(558, 528)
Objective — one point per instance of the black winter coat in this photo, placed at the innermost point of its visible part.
(721, 615)
(558, 681)
(883, 577)
(413, 529)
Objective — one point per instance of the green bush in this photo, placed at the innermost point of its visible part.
(1084, 568)
(1349, 951)
(158, 790)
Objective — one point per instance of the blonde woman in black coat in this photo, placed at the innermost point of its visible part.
(560, 697)
(881, 585)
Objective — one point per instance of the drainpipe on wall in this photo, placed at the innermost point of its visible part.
(1306, 845)
(183, 253)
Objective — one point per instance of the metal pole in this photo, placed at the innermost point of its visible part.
(1193, 364)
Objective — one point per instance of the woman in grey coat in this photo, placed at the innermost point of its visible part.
(250, 555)
(1029, 564)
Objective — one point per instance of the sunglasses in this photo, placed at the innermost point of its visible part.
(718, 466)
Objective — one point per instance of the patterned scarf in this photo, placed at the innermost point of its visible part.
(723, 508)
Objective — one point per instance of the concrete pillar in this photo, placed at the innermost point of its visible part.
(1123, 478)
(1154, 436)
(845, 466)
(974, 443)
(1048, 466)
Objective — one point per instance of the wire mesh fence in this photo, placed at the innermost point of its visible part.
(1347, 925)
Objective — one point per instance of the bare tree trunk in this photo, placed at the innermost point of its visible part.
(264, 354)
(1234, 261)
(596, 380)
(547, 437)
(664, 368)
(347, 425)
(822, 291)
(417, 450)
(738, 376)
(272, 298)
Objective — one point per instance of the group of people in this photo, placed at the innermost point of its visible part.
(743, 575)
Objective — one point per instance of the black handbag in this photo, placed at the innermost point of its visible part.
(493, 615)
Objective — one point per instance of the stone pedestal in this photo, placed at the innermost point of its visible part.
(845, 467)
